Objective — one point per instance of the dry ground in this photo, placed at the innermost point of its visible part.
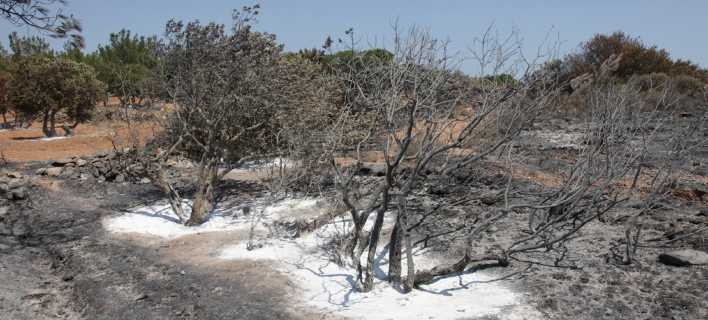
(57, 262)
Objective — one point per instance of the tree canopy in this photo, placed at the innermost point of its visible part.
(43, 85)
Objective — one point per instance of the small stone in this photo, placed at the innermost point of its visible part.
(608, 311)
(101, 178)
(81, 162)
(145, 180)
(19, 194)
(492, 229)
(85, 176)
(69, 165)
(140, 297)
(684, 257)
(119, 178)
(15, 175)
(54, 172)
(41, 171)
(68, 277)
(4, 188)
(89, 182)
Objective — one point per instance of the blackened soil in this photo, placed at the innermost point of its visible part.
(56, 261)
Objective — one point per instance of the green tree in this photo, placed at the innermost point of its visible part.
(45, 86)
(28, 46)
(5, 104)
(637, 58)
(125, 63)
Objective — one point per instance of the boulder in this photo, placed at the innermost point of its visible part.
(54, 172)
(684, 257)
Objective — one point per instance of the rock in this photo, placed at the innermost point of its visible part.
(81, 162)
(101, 178)
(104, 170)
(119, 178)
(4, 188)
(85, 176)
(8, 196)
(19, 193)
(103, 153)
(15, 175)
(89, 182)
(684, 257)
(145, 180)
(492, 229)
(68, 276)
(375, 169)
(54, 172)
(41, 171)
(66, 173)
(62, 162)
(69, 165)
(112, 155)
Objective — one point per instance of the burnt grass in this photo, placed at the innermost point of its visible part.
(57, 261)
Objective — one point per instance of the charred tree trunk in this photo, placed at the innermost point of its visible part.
(205, 191)
(368, 281)
(394, 251)
(158, 180)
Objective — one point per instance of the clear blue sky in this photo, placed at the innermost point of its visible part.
(680, 27)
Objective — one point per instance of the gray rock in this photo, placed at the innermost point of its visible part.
(19, 193)
(119, 178)
(101, 178)
(85, 176)
(62, 162)
(4, 188)
(684, 257)
(54, 172)
(103, 153)
(145, 180)
(81, 162)
(41, 171)
(66, 173)
(375, 169)
(89, 182)
(15, 175)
